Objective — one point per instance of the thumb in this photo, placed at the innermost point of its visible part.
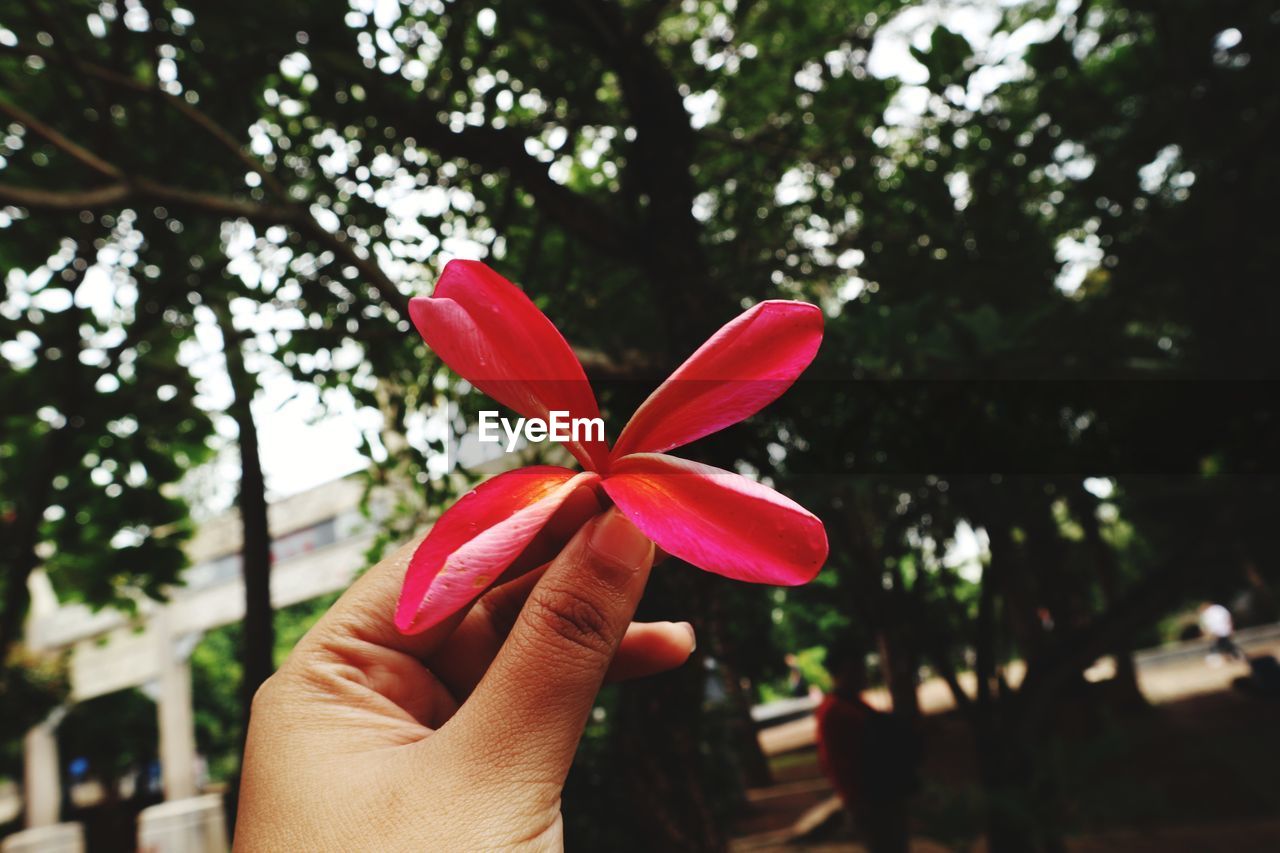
(527, 714)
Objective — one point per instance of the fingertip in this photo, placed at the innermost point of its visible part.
(649, 648)
(678, 639)
(618, 543)
(693, 635)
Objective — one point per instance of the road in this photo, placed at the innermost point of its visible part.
(1165, 674)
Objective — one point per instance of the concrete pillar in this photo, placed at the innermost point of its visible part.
(195, 825)
(176, 718)
(61, 838)
(41, 783)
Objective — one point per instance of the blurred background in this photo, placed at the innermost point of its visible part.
(1041, 431)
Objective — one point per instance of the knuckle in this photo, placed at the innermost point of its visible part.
(264, 698)
(573, 618)
(502, 611)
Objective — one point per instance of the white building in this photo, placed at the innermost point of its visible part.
(319, 544)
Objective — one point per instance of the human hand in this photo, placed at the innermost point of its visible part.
(459, 738)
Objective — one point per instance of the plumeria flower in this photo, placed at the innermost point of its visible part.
(491, 334)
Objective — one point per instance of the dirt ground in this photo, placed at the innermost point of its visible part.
(1199, 770)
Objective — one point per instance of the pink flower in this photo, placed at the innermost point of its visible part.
(487, 330)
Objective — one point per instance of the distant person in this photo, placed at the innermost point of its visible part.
(870, 757)
(1215, 622)
(797, 685)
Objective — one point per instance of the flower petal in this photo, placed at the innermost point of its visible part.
(736, 373)
(492, 335)
(478, 538)
(717, 520)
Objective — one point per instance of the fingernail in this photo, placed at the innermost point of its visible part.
(616, 541)
(693, 637)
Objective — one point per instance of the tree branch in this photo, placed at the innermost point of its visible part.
(1077, 649)
(366, 265)
(55, 137)
(503, 149)
(496, 150)
(186, 110)
(268, 214)
(89, 199)
(141, 189)
(659, 164)
(646, 19)
(289, 213)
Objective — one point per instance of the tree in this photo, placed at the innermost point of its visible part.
(973, 224)
(88, 493)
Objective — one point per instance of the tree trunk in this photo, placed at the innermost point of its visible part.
(740, 726)
(19, 549)
(659, 732)
(21, 534)
(899, 655)
(1008, 783)
(258, 638)
(1126, 677)
(997, 757)
(883, 611)
(1266, 608)
(898, 664)
(1020, 802)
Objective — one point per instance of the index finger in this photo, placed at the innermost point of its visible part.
(365, 611)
